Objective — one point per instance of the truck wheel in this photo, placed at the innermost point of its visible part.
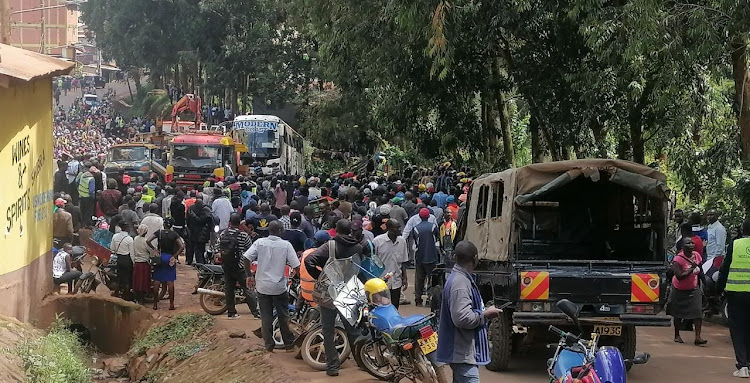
(628, 344)
(501, 342)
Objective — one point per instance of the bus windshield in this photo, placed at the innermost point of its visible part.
(262, 143)
(128, 154)
(196, 156)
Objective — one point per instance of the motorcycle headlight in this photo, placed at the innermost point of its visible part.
(95, 261)
(216, 229)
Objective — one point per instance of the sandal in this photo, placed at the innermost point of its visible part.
(700, 342)
(678, 340)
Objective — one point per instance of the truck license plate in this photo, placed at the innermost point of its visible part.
(429, 344)
(608, 330)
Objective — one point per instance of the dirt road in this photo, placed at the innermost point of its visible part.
(676, 362)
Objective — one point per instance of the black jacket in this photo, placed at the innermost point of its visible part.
(199, 224)
(346, 246)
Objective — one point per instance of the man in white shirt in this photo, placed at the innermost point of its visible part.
(273, 255)
(152, 220)
(392, 250)
(221, 208)
(716, 244)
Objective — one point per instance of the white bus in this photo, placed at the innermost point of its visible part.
(271, 143)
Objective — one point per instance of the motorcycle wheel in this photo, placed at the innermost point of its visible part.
(82, 286)
(313, 352)
(724, 311)
(425, 369)
(212, 304)
(366, 356)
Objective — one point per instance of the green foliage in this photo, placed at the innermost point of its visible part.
(57, 357)
(155, 375)
(178, 328)
(185, 350)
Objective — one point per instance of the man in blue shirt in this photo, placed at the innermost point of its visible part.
(463, 341)
(426, 235)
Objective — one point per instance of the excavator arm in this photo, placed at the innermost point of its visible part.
(189, 102)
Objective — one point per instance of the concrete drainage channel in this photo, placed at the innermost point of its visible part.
(107, 324)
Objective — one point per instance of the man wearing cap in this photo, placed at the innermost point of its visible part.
(426, 236)
(62, 223)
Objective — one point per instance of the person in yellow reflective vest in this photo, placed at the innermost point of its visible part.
(734, 280)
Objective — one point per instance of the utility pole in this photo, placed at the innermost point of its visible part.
(4, 22)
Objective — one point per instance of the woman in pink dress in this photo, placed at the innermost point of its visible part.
(686, 297)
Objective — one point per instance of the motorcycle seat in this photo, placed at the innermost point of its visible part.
(388, 320)
(216, 269)
(78, 251)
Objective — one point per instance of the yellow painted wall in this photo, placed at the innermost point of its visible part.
(26, 170)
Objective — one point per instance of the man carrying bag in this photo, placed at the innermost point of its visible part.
(344, 246)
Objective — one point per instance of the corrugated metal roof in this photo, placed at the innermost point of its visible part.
(26, 65)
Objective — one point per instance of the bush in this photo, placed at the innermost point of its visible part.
(58, 357)
(177, 328)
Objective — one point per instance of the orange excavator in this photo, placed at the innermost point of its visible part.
(189, 102)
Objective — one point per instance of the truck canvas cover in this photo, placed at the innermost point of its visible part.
(495, 197)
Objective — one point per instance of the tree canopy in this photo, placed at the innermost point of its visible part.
(494, 84)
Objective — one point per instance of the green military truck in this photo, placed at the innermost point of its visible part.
(592, 231)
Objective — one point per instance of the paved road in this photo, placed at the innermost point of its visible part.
(120, 87)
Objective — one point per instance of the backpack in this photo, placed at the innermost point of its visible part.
(229, 248)
(320, 293)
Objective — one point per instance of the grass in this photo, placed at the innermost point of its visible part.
(154, 376)
(58, 357)
(186, 350)
(178, 328)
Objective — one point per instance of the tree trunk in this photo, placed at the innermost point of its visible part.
(136, 75)
(600, 138)
(636, 113)
(742, 94)
(537, 152)
(636, 140)
(554, 148)
(504, 116)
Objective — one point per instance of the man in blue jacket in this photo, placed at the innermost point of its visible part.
(463, 341)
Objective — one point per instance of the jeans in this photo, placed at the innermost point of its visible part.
(465, 373)
(328, 321)
(395, 297)
(739, 326)
(197, 249)
(67, 277)
(231, 279)
(267, 304)
(423, 271)
(88, 209)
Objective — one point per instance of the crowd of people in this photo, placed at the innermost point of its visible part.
(284, 222)
(88, 130)
(704, 269)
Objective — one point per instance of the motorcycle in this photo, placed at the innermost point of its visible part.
(581, 360)
(103, 273)
(348, 293)
(397, 347)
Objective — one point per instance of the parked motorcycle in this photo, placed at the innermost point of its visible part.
(103, 273)
(396, 347)
(581, 360)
